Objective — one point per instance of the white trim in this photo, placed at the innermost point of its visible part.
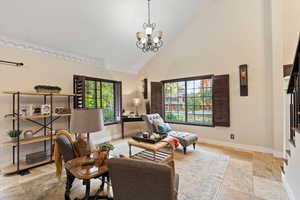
(288, 189)
(278, 154)
(5, 41)
(242, 146)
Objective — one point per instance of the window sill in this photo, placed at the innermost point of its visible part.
(112, 123)
(189, 124)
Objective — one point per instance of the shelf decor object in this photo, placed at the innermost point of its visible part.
(44, 123)
(149, 40)
(14, 134)
(47, 89)
(244, 80)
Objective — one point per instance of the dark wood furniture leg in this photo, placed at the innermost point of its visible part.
(194, 145)
(70, 180)
(87, 184)
(184, 150)
(122, 128)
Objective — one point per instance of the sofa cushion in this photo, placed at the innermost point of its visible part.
(184, 138)
(155, 123)
(149, 121)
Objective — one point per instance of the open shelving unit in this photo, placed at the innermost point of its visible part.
(45, 122)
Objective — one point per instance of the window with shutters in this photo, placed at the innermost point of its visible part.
(192, 100)
(99, 93)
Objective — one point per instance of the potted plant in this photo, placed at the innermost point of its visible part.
(47, 89)
(13, 134)
(105, 147)
(102, 152)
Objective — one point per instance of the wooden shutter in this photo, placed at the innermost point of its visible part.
(157, 98)
(221, 95)
(118, 99)
(79, 89)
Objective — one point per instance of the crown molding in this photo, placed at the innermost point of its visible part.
(5, 41)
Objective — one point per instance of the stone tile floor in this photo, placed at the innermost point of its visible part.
(248, 176)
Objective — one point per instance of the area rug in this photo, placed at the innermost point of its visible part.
(201, 175)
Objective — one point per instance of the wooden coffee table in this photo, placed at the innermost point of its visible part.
(160, 152)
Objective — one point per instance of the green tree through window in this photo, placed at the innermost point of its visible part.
(102, 94)
(189, 101)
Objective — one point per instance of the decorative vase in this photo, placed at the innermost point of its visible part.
(28, 134)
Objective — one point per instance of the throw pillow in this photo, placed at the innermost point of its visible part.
(155, 123)
(164, 128)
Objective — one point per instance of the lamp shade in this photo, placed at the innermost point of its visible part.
(87, 120)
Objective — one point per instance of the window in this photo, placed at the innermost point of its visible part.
(99, 93)
(189, 100)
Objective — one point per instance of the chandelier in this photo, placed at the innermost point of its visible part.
(149, 40)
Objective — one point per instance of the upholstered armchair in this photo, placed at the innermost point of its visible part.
(142, 180)
(68, 153)
(185, 139)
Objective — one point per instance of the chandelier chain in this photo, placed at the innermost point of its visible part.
(149, 12)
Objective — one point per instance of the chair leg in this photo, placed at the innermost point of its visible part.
(184, 150)
(87, 184)
(70, 180)
(194, 145)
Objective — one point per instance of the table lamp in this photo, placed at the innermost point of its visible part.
(136, 103)
(86, 121)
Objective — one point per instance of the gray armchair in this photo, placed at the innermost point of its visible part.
(136, 180)
(185, 139)
(67, 154)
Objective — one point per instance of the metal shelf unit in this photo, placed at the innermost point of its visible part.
(19, 166)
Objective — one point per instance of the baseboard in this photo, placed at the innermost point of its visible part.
(242, 146)
(288, 188)
(278, 154)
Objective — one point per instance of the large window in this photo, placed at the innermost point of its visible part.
(99, 93)
(189, 101)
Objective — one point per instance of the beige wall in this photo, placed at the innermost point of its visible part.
(42, 69)
(225, 35)
(291, 29)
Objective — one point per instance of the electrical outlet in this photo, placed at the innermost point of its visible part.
(232, 136)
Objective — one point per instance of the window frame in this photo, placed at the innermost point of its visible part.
(210, 76)
(101, 80)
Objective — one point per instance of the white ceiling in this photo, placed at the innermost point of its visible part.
(101, 29)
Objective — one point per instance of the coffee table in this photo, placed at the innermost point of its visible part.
(160, 152)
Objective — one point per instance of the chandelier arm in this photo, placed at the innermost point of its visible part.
(139, 45)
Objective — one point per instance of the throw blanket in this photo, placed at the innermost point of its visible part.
(57, 152)
(173, 142)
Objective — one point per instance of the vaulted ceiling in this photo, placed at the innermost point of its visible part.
(100, 29)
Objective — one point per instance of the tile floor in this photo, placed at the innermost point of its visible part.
(250, 175)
